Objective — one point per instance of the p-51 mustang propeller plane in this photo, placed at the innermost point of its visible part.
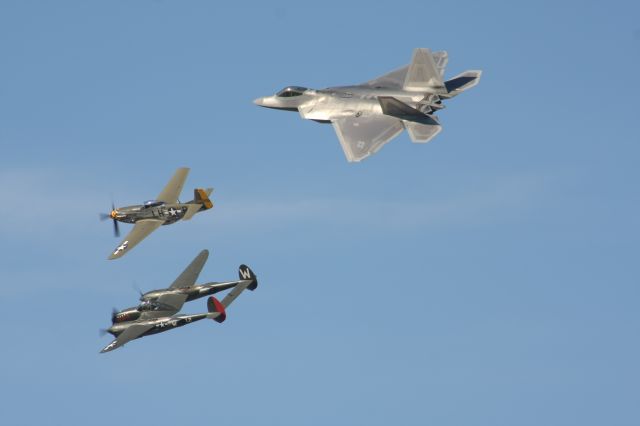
(164, 210)
(158, 308)
(368, 115)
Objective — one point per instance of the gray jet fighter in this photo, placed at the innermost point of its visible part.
(169, 301)
(368, 115)
(158, 314)
(164, 210)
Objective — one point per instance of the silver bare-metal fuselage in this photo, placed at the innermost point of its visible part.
(334, 103)
(367, 116)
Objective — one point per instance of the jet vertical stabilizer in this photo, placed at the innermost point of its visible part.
(423, 73)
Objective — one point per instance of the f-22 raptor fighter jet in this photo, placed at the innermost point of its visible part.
(368, 115)
(164, 210)
(157, 312)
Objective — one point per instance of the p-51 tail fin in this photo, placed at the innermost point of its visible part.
(200, 202)
(202, 196)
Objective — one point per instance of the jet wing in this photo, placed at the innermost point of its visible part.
(361, 137)
(189, 276)
(172, 191)
(132, 332)
(140, 231)
(392, 80)
(396, 78)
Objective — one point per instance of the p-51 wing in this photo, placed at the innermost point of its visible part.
(171, 192)
(140, 231)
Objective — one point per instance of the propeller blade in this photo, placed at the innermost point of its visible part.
(105, 216)
(114, 312)
(116, 229)
(102, 332)
(137, 289)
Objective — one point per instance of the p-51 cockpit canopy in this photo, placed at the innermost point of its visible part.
(152, 203)
(291, 91)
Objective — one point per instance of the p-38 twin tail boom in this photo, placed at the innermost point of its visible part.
(158, 309)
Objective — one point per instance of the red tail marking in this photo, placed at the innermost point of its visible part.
(218, 307)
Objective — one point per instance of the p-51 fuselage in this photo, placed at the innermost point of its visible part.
(168, 213)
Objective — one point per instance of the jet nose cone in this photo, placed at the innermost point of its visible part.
(259, 101)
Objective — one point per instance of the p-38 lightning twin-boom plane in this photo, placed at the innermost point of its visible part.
(368, 115)
(169, 301)
(157, 312)
(164, 210)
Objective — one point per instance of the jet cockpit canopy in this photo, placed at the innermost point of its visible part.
(291, 91)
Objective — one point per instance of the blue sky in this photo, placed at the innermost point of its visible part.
(489, 277)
